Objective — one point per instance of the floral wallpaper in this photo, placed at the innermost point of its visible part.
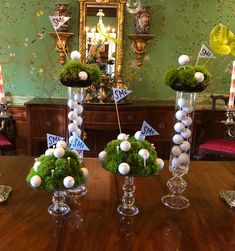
(30, 62)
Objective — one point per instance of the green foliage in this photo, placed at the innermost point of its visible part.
(94, 73)
(184, 76)
(72, 69)
(69, 165)
(115, 157)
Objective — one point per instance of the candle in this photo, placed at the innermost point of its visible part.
(232, 88)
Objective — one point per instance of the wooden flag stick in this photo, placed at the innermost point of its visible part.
(197, 61)
(61, 43)
(119, 125)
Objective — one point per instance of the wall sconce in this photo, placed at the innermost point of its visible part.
(61, 44)
(140, 41)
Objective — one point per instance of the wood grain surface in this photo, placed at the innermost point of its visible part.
(94, 224)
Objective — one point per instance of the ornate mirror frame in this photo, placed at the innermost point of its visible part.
(120, 4)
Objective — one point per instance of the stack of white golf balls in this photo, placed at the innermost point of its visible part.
(180, 152)
(75, 115)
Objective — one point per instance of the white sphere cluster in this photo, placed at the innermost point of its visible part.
(125, 146)
(180, 152)
(75, 115)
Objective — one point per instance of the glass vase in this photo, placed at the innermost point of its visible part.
(180, 151)
(76, 98)
(127, 207)
(58, 207)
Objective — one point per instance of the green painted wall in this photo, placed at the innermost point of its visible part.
(32, 69)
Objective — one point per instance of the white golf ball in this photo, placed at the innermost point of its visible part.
(78, 109)
(199, 77)
(183, 158)
(78, 132)
(75, 55)
(183, 60)
(79, 97)
(72, 115)
(122, 136)
(182, 102)
(85, 172)
(179, 127)
(49, 151)
(83, 75)
(139, 136)
(175, 163)
(185, 146)
(72, 127)
(124, 168)
(144, 153)
(176, 151)
(187, 109)
(187, 121)
(125, 146)
(180, 114)
(187, 133)
(177, 139)
(71, 139)
(78, 120)
(160, 162)
(36, 165)
(35, 181)
(61, 143)
(68, 181)
(71, 104)
(102, 155)
(59, 152)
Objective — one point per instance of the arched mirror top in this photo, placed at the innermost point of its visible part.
(110, 52)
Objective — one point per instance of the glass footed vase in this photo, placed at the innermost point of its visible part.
(58, 207)
(180, 151)
(127, 207)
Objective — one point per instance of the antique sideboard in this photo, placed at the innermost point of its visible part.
(41, 115)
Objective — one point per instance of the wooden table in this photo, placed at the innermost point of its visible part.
(94, 224)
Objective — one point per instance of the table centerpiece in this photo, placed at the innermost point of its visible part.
(130, 157)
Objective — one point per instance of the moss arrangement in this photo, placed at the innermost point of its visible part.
(183, 78)
(70, 74)
(114, 156)
(68, 165)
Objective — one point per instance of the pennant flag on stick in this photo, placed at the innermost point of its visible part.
(53, 139)
(147, 130)
(2, 94)
(119, 94)
(78, 144)
(205, 53)
(57, 21)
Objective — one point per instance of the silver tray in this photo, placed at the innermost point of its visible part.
(229, 197)
(4, 192)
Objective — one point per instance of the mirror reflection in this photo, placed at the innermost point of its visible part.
(101, 26)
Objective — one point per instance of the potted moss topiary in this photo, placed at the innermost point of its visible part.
(55, 171)
(77, 74)
(130, 157)
(187, 78)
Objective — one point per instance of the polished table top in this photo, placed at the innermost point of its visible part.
(94, 224)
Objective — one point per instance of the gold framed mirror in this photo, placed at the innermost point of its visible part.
(113, 11)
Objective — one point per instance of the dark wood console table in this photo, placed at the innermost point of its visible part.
(94, 224)
(100, 123)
